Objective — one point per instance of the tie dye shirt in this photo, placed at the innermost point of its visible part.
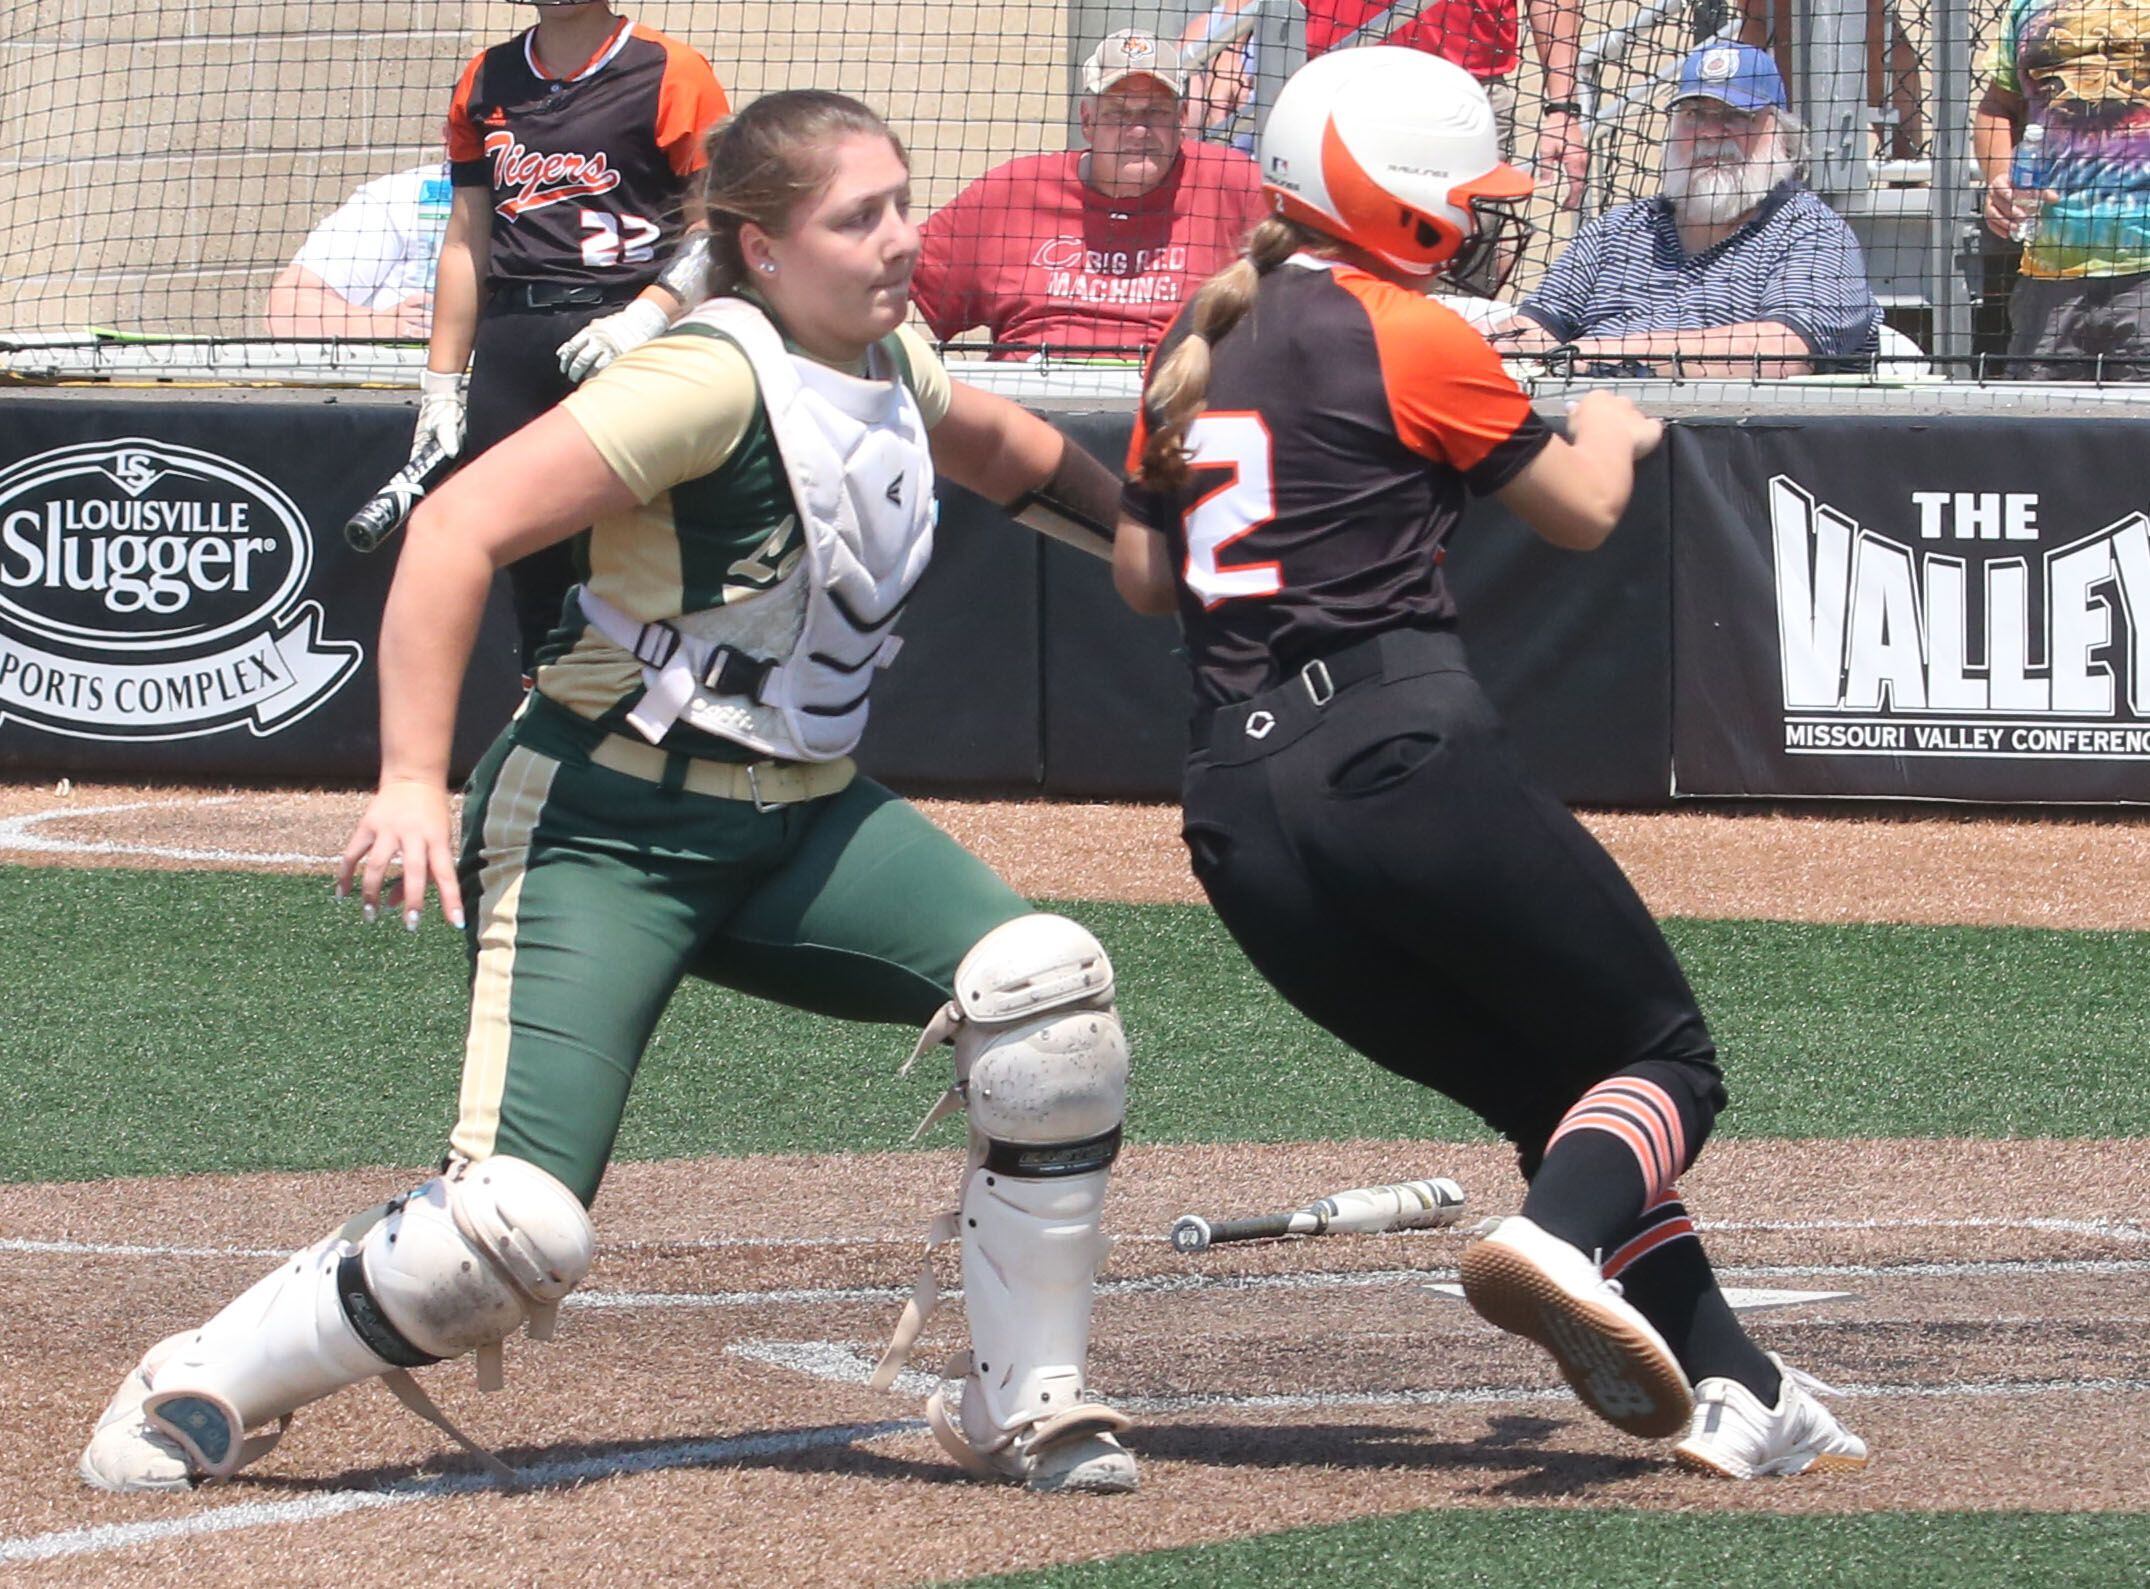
(2083, 68)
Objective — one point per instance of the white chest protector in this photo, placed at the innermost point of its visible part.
(787, 671)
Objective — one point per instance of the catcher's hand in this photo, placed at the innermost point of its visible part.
(406, 825)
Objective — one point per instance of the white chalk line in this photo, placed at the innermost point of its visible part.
(838, 1362)
(1188, 1283)
(1347, 1280)
(107, 1249)
(2112, 1229)
(556, 1474)
(2126, 1232)
(113, 1249)
(1966, 1269)
(844, 1363)
(16, 835)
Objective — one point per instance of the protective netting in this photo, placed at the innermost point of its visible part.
(226, 173)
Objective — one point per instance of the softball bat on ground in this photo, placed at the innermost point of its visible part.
(1409, 1205)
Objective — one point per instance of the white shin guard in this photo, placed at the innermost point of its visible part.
(1031, 1253)
(1041, 1070)
(455, 1266)
(282, 1344)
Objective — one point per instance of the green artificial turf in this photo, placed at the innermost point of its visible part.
(1535, 1548)
(155, 1022)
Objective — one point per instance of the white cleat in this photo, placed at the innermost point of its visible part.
(134, 1449)
(127, 1453)
(1081, 1464)
(1735, 1437)
(1530, 1283)
(1075, 1452)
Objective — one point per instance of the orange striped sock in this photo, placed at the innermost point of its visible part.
(1641, 1116)
(1665, 1274)
(1665, 1220)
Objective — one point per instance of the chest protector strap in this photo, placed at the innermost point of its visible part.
(853, 450)
(675, 665)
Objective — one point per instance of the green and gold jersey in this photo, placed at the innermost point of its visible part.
(680, 420)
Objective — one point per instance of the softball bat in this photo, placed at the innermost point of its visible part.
(389, 508)
(1410, 1205)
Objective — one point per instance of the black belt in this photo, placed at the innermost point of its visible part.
(1280, 714)
(560, 294)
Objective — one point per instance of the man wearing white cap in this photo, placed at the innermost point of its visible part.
(1734, 269)
(1092, 251)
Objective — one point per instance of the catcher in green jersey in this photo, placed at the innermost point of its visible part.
(676, 798)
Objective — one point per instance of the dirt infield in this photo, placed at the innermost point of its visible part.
(1917, 866)
(1984, 1305)
(1995, 1356)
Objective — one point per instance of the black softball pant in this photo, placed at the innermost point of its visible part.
(514, 377)
(1368, 837)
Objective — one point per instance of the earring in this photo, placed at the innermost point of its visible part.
(768, 267)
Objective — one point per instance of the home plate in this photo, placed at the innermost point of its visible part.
(1743, 1299)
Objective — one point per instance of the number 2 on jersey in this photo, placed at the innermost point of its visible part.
(1229, 511)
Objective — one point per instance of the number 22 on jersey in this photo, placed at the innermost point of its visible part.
(1230, 510)
(611, 239)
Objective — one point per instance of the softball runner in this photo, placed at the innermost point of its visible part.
(576, 234)
(676, 798)
(1309, 431)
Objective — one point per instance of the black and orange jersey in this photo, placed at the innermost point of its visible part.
(1346, 418)
(587, 171)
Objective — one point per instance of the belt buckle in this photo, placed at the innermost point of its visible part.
(762, 807)
(1320, 688)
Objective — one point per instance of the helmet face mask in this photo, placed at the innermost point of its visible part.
(1395, 152)
(1486, 259)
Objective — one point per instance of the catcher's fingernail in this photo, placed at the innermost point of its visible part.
(410, 921)
(369, 913)
(456, 921)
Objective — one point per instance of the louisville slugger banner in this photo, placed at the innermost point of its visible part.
(152, 591)
(1895, 608)
(175, 594)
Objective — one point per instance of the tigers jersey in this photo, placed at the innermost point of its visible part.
(1345, 419)
(587, 171)
(680, 420)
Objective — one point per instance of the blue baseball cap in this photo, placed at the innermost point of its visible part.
(1738, 75)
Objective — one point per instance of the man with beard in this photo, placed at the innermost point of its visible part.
(1734, 269)
(1092, 251)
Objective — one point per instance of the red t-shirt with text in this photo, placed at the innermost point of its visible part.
(1478, 35)
(1040, 258)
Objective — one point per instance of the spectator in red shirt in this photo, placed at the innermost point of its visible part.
(1092, 251)
(1478, 35)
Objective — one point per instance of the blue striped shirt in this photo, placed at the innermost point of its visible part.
(1795, 263)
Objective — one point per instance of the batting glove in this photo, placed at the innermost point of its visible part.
(440, 413)
(601, 341)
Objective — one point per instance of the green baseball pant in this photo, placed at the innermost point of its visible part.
(591, 892)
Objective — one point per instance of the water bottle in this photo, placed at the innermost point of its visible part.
(436, 201)
(2027, 175)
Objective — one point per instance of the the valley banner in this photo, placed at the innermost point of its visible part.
(1900, 608)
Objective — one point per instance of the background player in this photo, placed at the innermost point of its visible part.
(575, 234)
(677, 798)
(1308, 433)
